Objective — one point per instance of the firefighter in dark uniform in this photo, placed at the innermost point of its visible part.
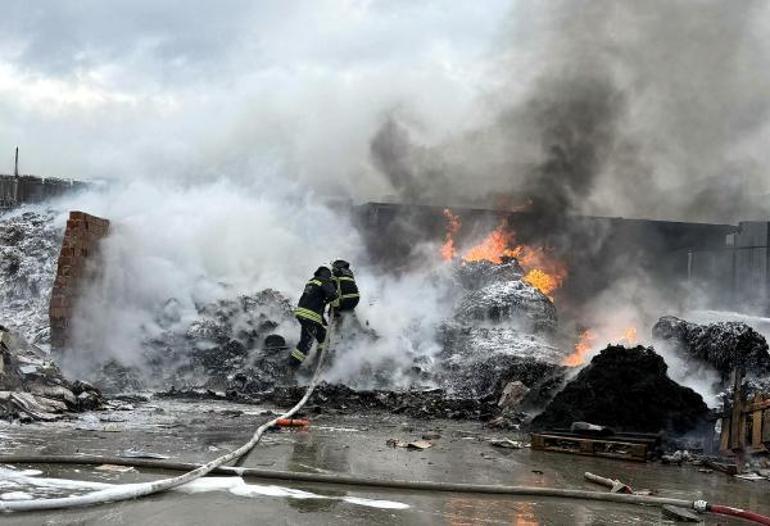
(319, 292)
(347, 290)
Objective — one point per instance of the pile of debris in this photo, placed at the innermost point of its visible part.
(33, 388)
(723, 345)
(418, 403)
(501, 332)
(627, 389)
(230, 344)
(29, 247)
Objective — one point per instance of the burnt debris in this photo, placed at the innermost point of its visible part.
(723, 345)
(627, 389)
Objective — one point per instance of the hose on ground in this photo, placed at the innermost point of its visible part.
(134, 491)
(409, 485)
(737, 512)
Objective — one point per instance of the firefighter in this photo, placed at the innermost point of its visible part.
(319, 292)
(347, 290)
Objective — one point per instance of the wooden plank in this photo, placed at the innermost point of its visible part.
(594, 447)
(766, 427)
(724, 437)
(756, 430)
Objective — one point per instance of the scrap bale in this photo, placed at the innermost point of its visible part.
(626, 389)
(723, 345)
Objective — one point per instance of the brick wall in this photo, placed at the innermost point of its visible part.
(81, 240)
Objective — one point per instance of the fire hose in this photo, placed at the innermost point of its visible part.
(410, 485)
(195, 471)
(134, 491)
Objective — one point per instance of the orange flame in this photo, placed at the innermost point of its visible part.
(448, 250)
(542, 271)
(589, 339)
(584, 346)
(493, 248)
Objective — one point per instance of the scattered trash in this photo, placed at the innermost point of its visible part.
(749, 476)
(614, 485)
(677, 457)
(417, 444)
(113, 468)
(506, 443)
(679, 514)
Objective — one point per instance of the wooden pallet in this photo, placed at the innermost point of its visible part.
(745, 425)
(607, 447)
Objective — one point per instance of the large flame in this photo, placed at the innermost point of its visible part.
(589, 339)
(542, 271)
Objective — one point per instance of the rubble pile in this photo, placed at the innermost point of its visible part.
(223, 348)
(29, 247)
(626, 389)
(33, 388)
(501, 331)
(427, 403)
(723, 345)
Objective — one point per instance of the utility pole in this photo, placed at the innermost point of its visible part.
(16, 164)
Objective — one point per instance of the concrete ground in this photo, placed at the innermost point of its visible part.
(198, 431)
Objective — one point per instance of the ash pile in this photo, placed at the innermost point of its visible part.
(230, 344)
(32, 388)
(627, 389)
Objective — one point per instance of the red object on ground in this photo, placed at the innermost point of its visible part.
(737, 512)
(293, 422)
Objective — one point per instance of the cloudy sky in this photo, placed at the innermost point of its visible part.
(194, 88)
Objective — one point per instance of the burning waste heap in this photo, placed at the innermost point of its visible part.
(500, 358)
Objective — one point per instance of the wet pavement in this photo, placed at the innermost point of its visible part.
(199, 431)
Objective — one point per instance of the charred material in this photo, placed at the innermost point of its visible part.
(33, 388)
(500, 333)
(627, 389)
(724, 345)
(429, 403)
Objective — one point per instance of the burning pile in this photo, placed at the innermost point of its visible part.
(541, 269)
(591, 339)
(501, 332)
(627, 389)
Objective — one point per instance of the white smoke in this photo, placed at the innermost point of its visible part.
(202, 243)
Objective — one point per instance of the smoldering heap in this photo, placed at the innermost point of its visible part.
(497, 358)
(226, 346)
(723, 345)
(501, 332)
(626, 389)
(33, 388)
